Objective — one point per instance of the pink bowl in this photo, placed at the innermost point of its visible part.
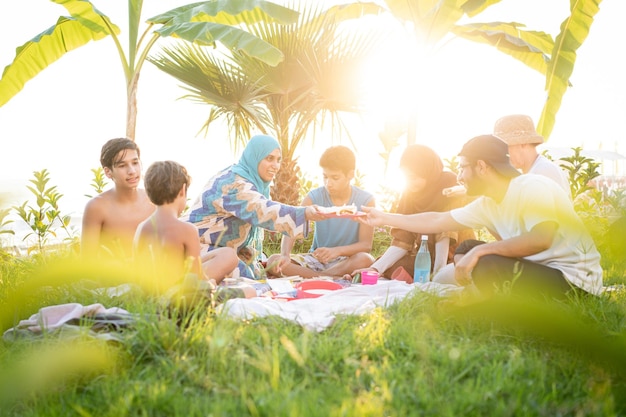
(316, 288)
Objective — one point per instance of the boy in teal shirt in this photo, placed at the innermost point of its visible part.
(340, 245)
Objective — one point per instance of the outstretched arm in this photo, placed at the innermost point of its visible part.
(246, 203)
(425, 223)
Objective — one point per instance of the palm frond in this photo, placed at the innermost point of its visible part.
(218, 82)
(315, 78)
(532, 48)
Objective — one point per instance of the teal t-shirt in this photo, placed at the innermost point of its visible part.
(337, 232)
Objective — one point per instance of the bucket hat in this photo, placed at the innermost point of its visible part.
(517, 129)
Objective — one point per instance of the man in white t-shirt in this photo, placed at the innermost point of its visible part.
(542, 246)
(518, 131)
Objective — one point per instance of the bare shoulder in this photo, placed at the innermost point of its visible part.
(177, 232)
(187, 228)
(99, 203)
(146, 227)
(145, 202)
(104, 197)
(143, 194)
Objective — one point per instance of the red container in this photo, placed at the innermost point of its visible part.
(316, 288)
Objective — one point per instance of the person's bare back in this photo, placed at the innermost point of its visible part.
(169, 244)
(167, 248)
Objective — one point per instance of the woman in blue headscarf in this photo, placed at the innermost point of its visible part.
(235, 207)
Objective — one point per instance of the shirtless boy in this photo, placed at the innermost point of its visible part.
(110, 218)
(172, 246)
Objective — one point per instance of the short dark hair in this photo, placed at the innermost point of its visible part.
(338, 157)
(113, 147)
(163, 181)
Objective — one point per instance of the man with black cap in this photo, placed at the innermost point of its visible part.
(542, 246)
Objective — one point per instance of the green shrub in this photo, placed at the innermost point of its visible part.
(45, 217)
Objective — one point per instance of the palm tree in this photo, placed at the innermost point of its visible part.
(204, 23)
(431, 23)
(313, 83)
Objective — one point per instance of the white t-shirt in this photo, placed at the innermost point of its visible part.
(543, 166)
(532, 199)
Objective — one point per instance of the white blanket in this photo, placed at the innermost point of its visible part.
(319, 313)
(52, 317)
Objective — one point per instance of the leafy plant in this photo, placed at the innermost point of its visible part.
(314, 82)
(617, 200)
(204, 23)
(581, 171)
(452, 164)
(359, 178)
(597, 209)
(99, 181)
(382, 240)
(45, 217)
(430, 23)
(387, 198)
(389, 138)
(4, 222)
(306, 184)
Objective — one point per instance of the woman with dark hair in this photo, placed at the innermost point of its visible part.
(425, 181)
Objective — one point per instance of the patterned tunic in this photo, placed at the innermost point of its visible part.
(231, 212)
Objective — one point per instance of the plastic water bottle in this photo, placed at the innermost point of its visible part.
(421, 273)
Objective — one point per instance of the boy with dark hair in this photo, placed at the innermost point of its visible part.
(166, 242)
(110, 218)
(340, 245)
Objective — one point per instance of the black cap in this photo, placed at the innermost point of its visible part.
(492, 150)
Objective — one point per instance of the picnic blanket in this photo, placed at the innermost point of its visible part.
(317, 314)
(66, 318)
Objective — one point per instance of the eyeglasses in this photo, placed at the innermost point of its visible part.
(463, 166)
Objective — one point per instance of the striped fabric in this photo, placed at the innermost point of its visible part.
(231, 212)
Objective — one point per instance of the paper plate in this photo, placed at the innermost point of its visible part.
(345, 216)
(316, 288)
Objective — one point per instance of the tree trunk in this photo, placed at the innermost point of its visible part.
(286, 188)
(131, 107)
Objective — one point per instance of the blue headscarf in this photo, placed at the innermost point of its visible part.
(256, 150)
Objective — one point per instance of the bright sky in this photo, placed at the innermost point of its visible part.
(62, 117)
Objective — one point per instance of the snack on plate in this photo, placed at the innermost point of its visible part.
(454, 191)
(338, 210)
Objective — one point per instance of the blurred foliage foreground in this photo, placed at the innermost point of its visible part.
(424, 355)
(421, 356)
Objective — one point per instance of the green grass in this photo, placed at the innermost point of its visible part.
(510, 357)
